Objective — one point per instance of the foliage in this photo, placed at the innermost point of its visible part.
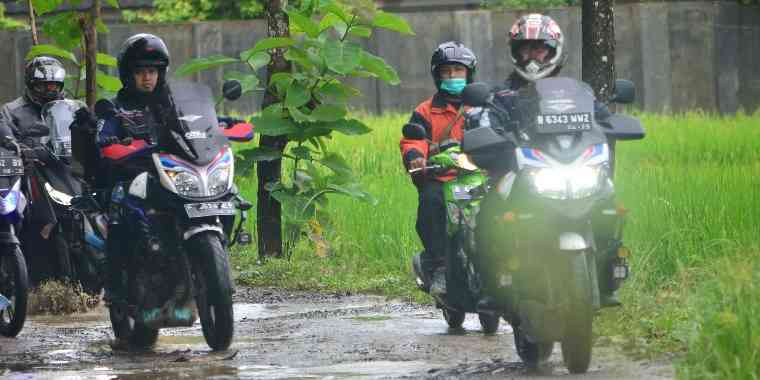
(196, 10)
(8, 22)
(65, 29)
(312, 102)
(527, 4)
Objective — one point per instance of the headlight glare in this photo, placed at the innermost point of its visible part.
(219, 181)
(567, 182)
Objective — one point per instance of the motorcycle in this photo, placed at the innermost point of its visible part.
(462, 197)
(77, 234)
(181, 216)
(547, 218)
(13, 274)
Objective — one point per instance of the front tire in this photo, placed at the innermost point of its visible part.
(576, 343)
(14, 282)
(214, 289)
(532, 354)
(489, 322)
(454, 318)
(126, 330)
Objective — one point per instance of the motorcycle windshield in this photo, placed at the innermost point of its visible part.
(58, 116)
(194, 133)
(556, 105)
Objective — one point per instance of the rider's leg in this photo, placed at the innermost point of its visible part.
(431, 227)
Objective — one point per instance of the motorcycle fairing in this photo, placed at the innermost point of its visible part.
(530, 157)
(118, 152)
(58, 116)
(170, 163)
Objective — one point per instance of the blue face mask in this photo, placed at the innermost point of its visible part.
(453, 86)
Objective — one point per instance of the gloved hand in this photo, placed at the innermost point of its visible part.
(84, 119)
(38, 153)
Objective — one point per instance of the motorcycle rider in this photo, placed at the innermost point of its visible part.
(452, 66)
(537, 51)
(44, 82)
(142, 63)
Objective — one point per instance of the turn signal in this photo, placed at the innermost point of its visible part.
(623, 252)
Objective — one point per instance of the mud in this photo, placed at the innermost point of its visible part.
(282, 334)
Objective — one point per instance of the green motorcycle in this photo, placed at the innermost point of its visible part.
(462, 196)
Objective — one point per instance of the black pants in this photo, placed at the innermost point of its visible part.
(431, 224)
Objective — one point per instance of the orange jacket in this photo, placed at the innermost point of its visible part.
(435, 114)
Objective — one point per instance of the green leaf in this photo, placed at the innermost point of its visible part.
(53, 50)
(45, 6)
(361, 31)
(302, 152)
(377, 66)
(269, 43)
(113, 3)
(261, 154)
(335, 9)
(273, 126)
(331, 20)
(106, 59)
(298, 115)
(107, 82)
(329, 112)
(341, 57)
(337, 91)
(299, 56)
(297, 95)
(349, 127)
(336, 163)
(304, 23)
(64, 29)
(309, 131)
(256, 60)
(249, 82)
(198, 64)
(392, 22)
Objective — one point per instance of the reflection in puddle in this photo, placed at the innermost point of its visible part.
(365, 370)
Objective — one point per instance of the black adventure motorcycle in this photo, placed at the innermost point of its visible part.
(550, 196)
(181, 217)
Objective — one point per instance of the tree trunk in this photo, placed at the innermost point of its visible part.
(599, 47)
(32, 23)
(268, 220)
(91, 52)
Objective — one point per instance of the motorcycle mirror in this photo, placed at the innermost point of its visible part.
(232, 90)
(104, 108)
(476, 94)
(414, 131)
(625, 92)
(37, 130)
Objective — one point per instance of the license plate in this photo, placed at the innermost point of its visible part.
(11, 166)
(199, 210)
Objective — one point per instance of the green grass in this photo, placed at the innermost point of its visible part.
(691, 186)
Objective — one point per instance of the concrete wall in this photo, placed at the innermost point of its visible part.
(681, 55)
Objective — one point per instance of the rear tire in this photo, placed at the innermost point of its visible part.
(14, 282)
(489, 322)
(212, 277)
(576, 343)
(454, 318)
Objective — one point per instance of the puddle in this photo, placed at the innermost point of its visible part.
(361, 370)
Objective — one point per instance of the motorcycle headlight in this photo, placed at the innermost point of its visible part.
(186, 183)
(568, 182)
(219, 181)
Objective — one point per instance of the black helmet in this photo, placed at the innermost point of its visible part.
(142, 50)
(537, 28)
(453, 52)
(44, 69)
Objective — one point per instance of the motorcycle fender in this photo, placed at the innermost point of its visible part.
(139, 186)
(59, 197)
(572, 241)
(194, 230)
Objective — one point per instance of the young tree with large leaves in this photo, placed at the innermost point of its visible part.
(310, 50)
(598, 28)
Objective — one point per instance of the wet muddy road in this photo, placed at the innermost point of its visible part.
(281, 334)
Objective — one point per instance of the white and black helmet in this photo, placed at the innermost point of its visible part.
(530, 29)
(44, 69)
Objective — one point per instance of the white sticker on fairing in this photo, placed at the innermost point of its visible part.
(194, 135)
